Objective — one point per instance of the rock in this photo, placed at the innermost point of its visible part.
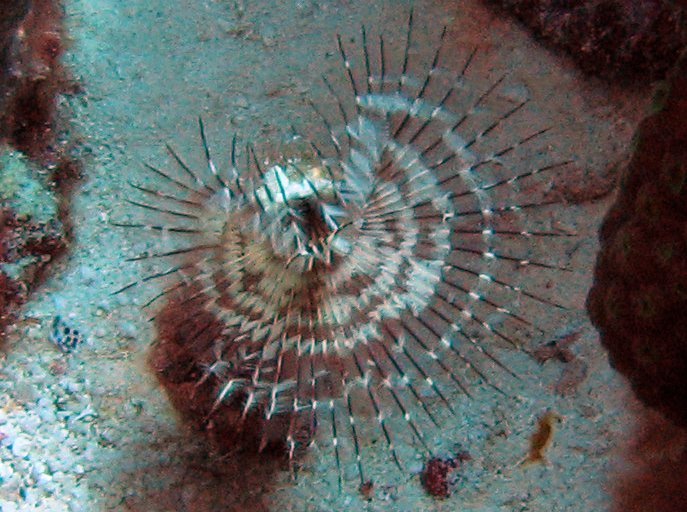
(30, 423)
(621, 40)
(25, 392)
(21, 447)
(639, 296)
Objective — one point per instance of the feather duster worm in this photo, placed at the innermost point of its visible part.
(350, 286)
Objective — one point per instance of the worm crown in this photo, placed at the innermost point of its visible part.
(356, 285)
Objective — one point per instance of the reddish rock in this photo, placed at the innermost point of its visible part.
(622, 40)
(639, 298)
(436, 476)
(188, 365)
(35, 245)
(31, 78)
(654, 472)
(30, 74)
(10, 297)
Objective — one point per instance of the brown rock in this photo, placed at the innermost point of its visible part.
(639, 298)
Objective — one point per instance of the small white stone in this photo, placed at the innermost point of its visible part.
(59, 477)
(46, 414)
(88, 274)
(76, 506)
(80, 428)
(30, 498)
(72, 387)
(56, 465)
(37, 469)
(59, 434)
(10, 433)
(127, 329)
(12, 483)
(21, 447)
(121, 299)
(241, 102)
(80, 492)
(53, 504)
(29, 424)
(8, 506)
(44, 480)
(25, 392)
(6, 471)
(59, 301)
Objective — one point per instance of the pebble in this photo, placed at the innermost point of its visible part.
(58, 434)
(29, 424)
(127, 329)
(304, 7)
(88, 274)
(60, 462)
(8, 506)
(12, 483)
(44, 480)
(516, 93)
(90, 454)
(72, 387)
(6, 471)
(25, 392)
(80, 492)
(30, 497)
(10, 433)
(103, 307)
(121, 299)
(77, 506)
(53, 505)
(38, 469)
(47, 414)
(21, 447)
(241, 102)
(45, 402)
(110, 436)
(238, 120)
(59, 302)
(99, 391)
(81, 428)
(59, 477)
(416, 467)
(99, 332)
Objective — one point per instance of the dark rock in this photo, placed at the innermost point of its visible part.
(621, 40)
(639, 297)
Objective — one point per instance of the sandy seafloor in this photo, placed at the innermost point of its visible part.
(92, 431)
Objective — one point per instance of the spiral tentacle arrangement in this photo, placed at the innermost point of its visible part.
(361, 281)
